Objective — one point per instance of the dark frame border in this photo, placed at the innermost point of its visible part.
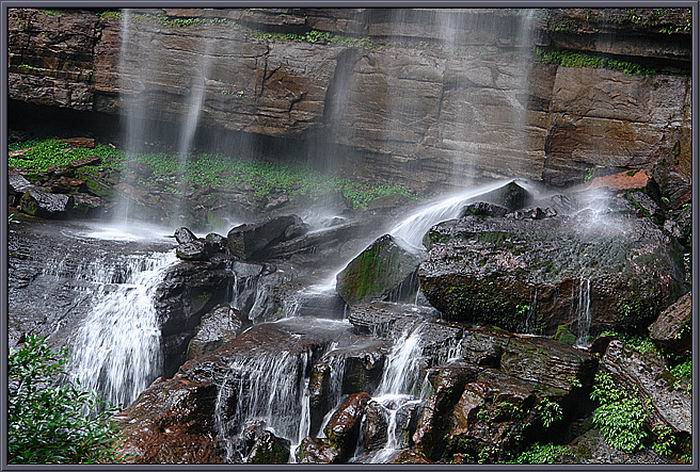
(693, 4)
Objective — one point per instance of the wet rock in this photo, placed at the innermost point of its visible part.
(645, 206)
(171, 423)
(448, 383)
(215, 243)
(220, 325)
(316, 451)
(591, 448)
(249, 241)
(184, 236)
(374, 426)
(528, 275)
(321, 305)
(409, 456)
(647, 376)
(386, 319)
(263, 447)
(343, 429)
(192, 251)
(296, 230)
(17, 184)
(511, 196)
(36, 202)
(536, 213)
(276, 202)
(483, 209)
(673, 326)
(382, 271)
(86, 205)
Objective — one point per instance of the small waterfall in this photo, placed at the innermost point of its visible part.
(415, 226)
(334, 394)
(263, 387)
(583, 313)
(117, 350)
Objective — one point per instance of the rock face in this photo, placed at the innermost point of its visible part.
(530, 275)
(384, 270)
(644, 374)
(672, 327)
(36, 202)
(221, 324)
(448, 94)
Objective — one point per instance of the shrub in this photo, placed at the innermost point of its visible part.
(542, 454)
(548, 412)
(50, 420)
(620, 415)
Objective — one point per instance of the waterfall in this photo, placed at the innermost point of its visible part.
(117, 350)
(188, 127)
(267, 387)
(583, 313)
(412, 229)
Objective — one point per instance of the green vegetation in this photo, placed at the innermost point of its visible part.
(542, 454)
(577, 59)
(50, 420)
(588, 176)
(549, 412)
(216, 171)
(665, 441)
(682, 374)
(50, 12)
(641, 344)
(109, 15)
(28, 68)
(564, 335)
(620, 414)
(320, 37)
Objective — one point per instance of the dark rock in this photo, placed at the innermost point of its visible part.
(36, 202)
(483, 209)
(647, 376)
(316, 451)
(220, 325)
(382, 271)
(591, 448)
(374, 426)
(343, 428)
(673, 326)
(263, 447)
(386, 319)
(249, 241)
(85, 205)
(532, 213)
(527, 275)
(277, 202)
(511, 196)
(184, 236)
(409, 456)
(296, 230)
(83, 142)
(192, 251)
(17, 184)
(215, 243)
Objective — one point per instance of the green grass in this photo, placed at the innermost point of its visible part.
(217, 171)
(593, 61)
(318, 37)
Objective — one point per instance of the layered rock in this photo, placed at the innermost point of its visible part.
(532, 275)
(673, 326)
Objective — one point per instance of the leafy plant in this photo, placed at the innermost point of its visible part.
(50, 419)
(548, 412)
(665, 440)
(318, 37)
(620, 415)
(682, 373)
(577, 59)
(542, 454)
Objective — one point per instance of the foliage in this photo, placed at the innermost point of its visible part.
(577, 59)
(50, 12)
(548, 412)
(207, 170)
(542, 454)
(681, 373)
(109, 15)
(50, 420)
(564, 335)
(641, 344)
(665, 440)
(588, 176)
(620, 414)
(319, 37)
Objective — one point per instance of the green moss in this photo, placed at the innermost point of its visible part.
(566, 58)
(564, 335)
(319, 37)
(107, 15)
(50, 12)
(29, 69)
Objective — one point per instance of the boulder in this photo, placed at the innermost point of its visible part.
(316, 451)
(384, 270)
(374, 426)
(262, 446)
(192, 251)
(85, 205)
(616, 270)
(215, 243)
(36, 202)
(647, 376)
(249, 241)
(511, 196)
(216, 327)
(17, 184)
(673, 326)
(343, 428)
(483, 209)
(184, 236)
(591, 448)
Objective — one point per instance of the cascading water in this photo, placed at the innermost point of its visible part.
(117, 350)
(583, 313)
(264, 387)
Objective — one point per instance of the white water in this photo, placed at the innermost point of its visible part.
(264, 387)
(583, 313)
(117, 350)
